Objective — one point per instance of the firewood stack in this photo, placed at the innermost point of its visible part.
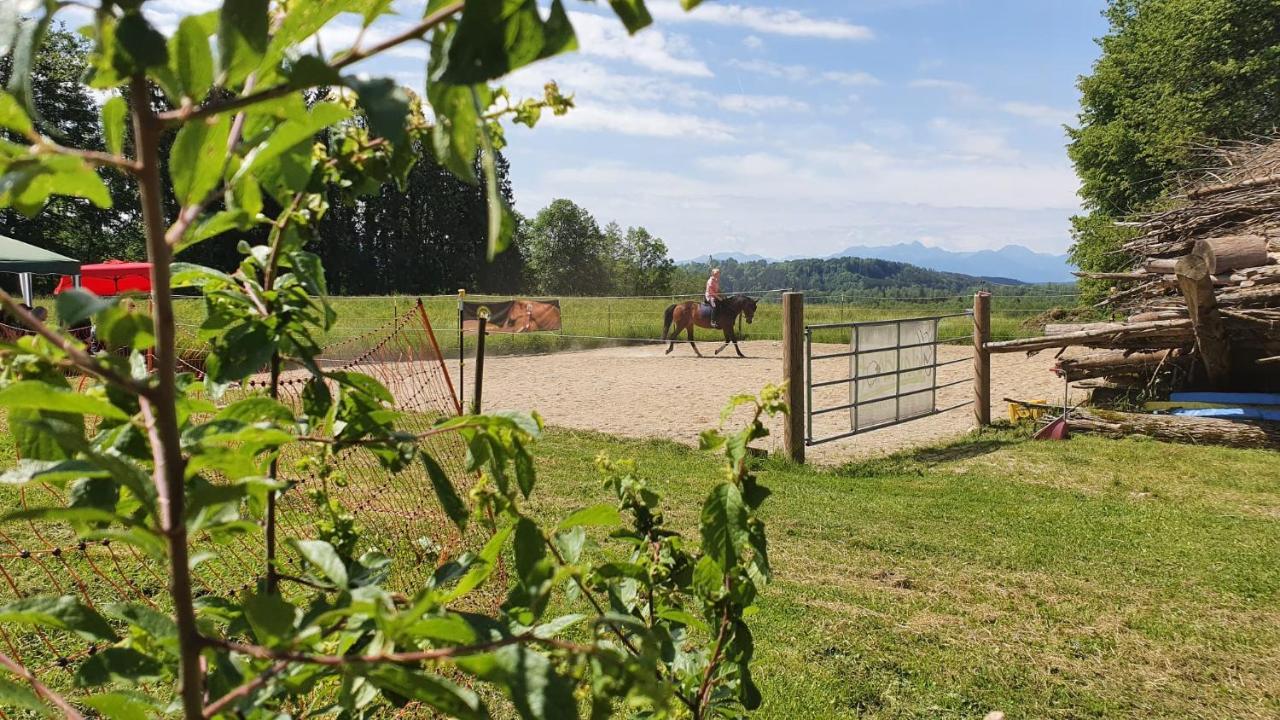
(1202, 300)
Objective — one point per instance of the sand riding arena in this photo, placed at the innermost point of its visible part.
(637, 391)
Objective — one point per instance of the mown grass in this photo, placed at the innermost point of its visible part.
(597, 322)
(1086, 579)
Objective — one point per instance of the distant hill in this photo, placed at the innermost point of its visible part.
(857, 275)
(718, 257)
(1014, 261)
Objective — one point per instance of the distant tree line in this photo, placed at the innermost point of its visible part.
(852, 275)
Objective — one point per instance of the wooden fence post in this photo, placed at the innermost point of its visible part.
(793, 371)
(982, 358)
(478, 389)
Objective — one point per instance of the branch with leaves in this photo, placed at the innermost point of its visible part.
(261, 130)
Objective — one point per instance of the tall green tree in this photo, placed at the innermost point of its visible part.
(643, 267)
(67, 110)
(566, 252)
(1173, 75)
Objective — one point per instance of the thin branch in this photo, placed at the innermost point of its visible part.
(191, 212)
(58, 701)
(356, 55)
(417, 656)
(82, 360)
(245, 690)
(705, 688)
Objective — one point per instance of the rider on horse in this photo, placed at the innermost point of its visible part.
(713, 294)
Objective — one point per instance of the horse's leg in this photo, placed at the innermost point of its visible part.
(695, 347)
(728, 337)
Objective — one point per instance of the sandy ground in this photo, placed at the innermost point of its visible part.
(639, 392)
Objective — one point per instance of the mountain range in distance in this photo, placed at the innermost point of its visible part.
(1011, 261)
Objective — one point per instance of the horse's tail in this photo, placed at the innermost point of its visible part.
(666, 320)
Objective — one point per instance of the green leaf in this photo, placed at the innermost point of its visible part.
(54, 472)
(37, 395)
(124, 705)
(27, 38)
(214, 226)
(322, 555)
(241, 351)
(198, 157)
(122, 664)
(431, 690)
(386, 104)
(536, 690)
(143, 44)
(190, 58)
(633, 14)
(724, 525)
(683, 617)
(76, 305)
(94, 493)
(594, 515)
(502, 224)
(186, 275)
(113, 121)
(120, 326)
(32, 442)
(28, 184)
(60, 613)
(456, 134)
(453, 504)
(19, 697)
(495, 37)
(12, 116)
(530, 548)
(154, 623)
(708, 579)
(243, 29)
(270, 616)
(483, 565)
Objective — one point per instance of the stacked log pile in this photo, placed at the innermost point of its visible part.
(1201, 302)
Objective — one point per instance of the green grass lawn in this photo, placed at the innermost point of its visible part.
(1092, 578)
(1085, 579)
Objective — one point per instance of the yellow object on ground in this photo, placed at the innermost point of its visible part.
(1018, 412)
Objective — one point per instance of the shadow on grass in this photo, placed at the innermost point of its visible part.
(918, 461)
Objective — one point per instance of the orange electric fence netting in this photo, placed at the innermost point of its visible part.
(397, 514)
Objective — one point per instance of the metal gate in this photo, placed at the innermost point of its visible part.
(892, 376)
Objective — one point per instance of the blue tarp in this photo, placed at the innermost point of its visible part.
(1227, 398)
(1240, 413)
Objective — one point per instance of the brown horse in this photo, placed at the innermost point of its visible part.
(687, 314)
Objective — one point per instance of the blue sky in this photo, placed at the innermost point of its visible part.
(803, 127)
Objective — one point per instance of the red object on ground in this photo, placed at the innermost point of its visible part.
(110, 278)
(1056, 430)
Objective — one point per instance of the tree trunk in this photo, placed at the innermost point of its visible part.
(1224, 254)
(1206, 323)
(1176, 428)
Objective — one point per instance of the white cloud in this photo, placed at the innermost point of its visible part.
(1041, 114)
(756, 104)
(753, 42)
(968, 142)
(644, 122)
(802, 73)
(603, 37)
(852, 79)
(956, 90)
(762, 20)
(779, 206)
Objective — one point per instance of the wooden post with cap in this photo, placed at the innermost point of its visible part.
(981, 358)
(793, 372)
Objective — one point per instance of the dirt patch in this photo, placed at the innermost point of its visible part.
(640, 392)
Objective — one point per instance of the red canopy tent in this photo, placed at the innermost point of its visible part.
(110, 278)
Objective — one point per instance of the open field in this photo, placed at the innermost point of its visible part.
(1086, 579)
(598, 322)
